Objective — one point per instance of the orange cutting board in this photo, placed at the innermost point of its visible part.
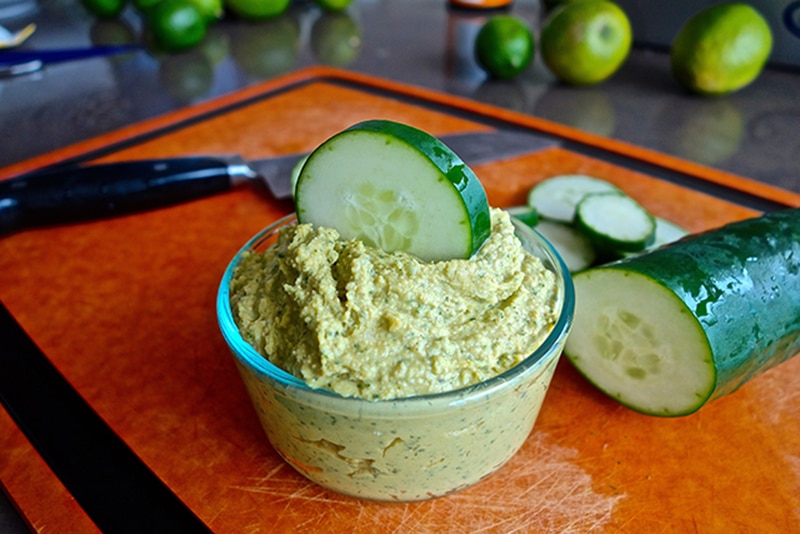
(124, 309)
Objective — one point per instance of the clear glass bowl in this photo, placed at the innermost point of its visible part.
(408, 449)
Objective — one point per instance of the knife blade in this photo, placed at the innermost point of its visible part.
(74, 193)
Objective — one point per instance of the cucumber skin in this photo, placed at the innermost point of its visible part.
(742, 284)
(458, 173)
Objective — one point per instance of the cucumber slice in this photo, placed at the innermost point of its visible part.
(666, 331)
(574, 248)
(614, 221)
(396, 188)
(557, 197)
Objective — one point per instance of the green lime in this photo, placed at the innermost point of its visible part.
(104, 9)
(333, 5)
(257, 9)
(585, 42)
(176, 24)
(504, 46)
(721, 49)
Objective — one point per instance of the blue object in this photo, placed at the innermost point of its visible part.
(17, 57)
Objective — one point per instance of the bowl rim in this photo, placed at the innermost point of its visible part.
(247, 355)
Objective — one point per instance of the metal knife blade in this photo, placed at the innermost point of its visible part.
(73, 193)
(474, 148)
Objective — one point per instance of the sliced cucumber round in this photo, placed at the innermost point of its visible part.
(397, 188)
(614, 221)
(557, 197)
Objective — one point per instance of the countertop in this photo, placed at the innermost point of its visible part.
(754, 133)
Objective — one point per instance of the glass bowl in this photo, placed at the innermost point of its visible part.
(408, 449)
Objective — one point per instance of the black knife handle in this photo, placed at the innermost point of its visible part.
(79, 193)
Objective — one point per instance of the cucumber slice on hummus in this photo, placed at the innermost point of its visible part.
(396, 188)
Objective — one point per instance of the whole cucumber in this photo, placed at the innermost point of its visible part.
(666, 331)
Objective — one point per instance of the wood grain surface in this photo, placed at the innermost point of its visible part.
(125, 309)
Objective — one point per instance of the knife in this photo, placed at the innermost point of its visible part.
(73, 193)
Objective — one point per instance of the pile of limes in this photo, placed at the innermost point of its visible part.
(583, 42)
(181, 24)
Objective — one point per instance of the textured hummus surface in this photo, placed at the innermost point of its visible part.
(362, 322)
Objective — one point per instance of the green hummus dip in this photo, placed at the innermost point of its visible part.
(362, 322)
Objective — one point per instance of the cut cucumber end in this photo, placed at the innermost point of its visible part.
(645, 350)
(396, 188)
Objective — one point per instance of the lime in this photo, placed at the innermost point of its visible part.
(257, 9)
(176, 24)
(721, 49)
(333, 5)
(504, 46)
(104, 9)
(585, 42)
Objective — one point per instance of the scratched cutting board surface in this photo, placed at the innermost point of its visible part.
(124, 309)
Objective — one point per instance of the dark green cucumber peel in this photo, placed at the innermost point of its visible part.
(741, 285)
